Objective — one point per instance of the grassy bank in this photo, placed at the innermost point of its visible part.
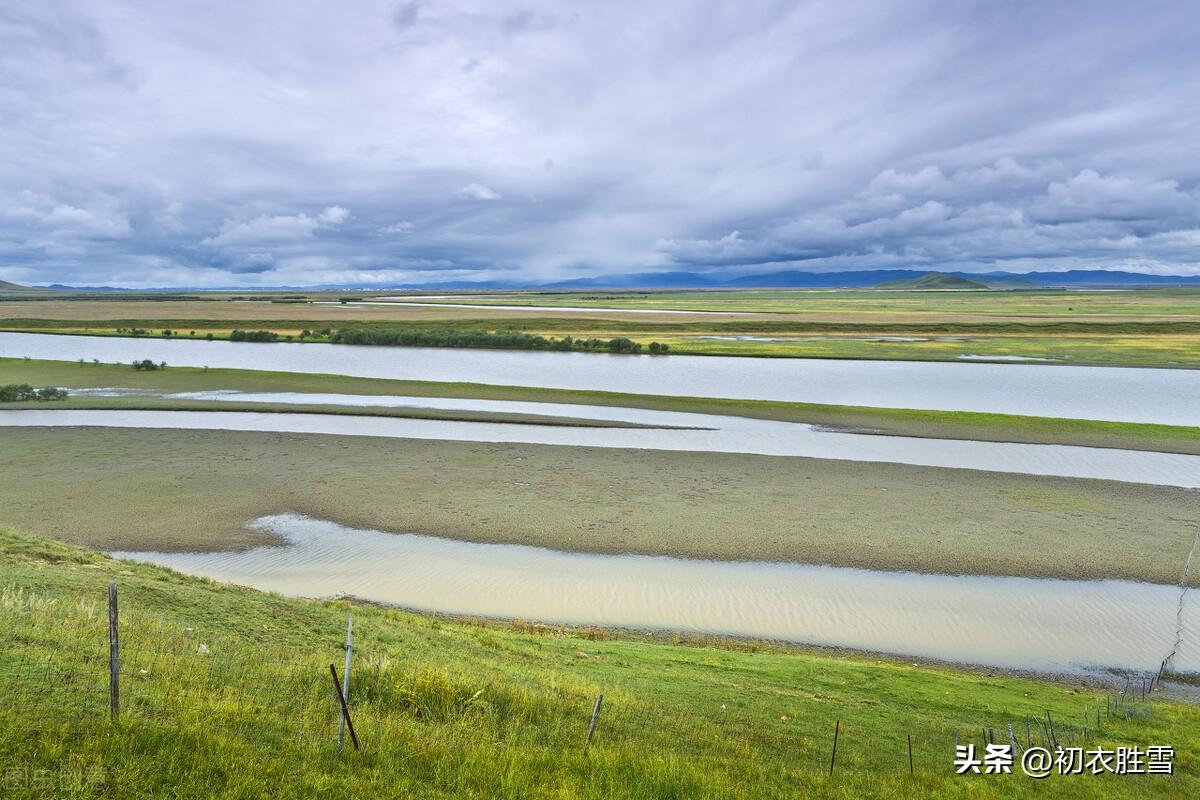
(897, 422)
(457, 709)
(194, 490)
(138, 403)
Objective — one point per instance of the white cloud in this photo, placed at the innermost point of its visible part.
(1090, 195)
(57, 219)
(278, 229)
(478, 191)
(333, 215)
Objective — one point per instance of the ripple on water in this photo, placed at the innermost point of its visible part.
(1022, 623)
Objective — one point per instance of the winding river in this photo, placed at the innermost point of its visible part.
(1025, 623)
(1167, 396)
(1038, 624)
(676, 431)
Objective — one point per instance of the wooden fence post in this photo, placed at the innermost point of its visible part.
(592, 724)
(114, 655)
(346, 681)
(833, 758)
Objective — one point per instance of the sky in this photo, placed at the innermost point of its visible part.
(149, 144)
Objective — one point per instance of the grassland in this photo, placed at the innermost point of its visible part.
(449, 708)
(857, 304)
(136, 489)
(897, 422)
(1150, 327)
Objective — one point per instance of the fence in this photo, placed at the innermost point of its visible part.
(57, 670)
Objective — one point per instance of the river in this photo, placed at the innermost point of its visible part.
(1167, 396)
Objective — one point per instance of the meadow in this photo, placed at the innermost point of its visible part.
(214, 676)
(1148, 327)
(859, 304)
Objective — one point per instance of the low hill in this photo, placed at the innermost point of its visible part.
(8, 287)
(934, 280)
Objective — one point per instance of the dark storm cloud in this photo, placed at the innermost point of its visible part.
(291, 143)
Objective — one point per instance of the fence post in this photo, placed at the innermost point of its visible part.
(345, 711)
(1050, 725)
(833, 758)
(114, 656)
(592, 724)
(346, 681)
(910, 763)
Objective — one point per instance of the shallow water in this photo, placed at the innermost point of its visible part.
(703, 433)
(984, 357)
(1024, 623)
(1165, 396)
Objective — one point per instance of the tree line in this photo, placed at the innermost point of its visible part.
(20, 392)
(500, 340)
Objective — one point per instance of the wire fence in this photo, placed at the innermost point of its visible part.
(56, 667)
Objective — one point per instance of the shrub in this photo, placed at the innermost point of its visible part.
(253, 336)
(23, 392)
(501, 340)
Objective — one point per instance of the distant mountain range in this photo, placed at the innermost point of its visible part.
(788, 279)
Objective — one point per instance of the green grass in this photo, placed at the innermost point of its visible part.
(1145, 327)
(134, 489)
(1167, 302)
(1115, 348)
(449, 708)
(897, 422)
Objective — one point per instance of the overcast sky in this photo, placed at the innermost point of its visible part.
(291, 143)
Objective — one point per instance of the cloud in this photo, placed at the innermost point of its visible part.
(148, 146)
(1089, 195)
(1000, 215)
(55, 218)
(278, 229)
(478, 191)
(406, 14)
(333, 215)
